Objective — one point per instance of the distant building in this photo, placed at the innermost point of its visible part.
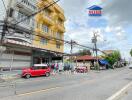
(108, 51)
(85, 60)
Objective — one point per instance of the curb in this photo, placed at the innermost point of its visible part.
(120, 93)
(9, 77)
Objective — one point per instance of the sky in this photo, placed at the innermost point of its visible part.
(114, 26)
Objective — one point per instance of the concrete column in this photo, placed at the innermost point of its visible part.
(12, 59)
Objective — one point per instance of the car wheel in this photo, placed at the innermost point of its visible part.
(28, 76)
(47, 74)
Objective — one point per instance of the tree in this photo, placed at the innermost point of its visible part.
(131, 52)
(84, 52)
(113, 57)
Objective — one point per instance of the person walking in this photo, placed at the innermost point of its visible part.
(56, 67)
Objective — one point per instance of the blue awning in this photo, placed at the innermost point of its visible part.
(103, 62)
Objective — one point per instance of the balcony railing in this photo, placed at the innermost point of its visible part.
(59, 9)
(42, 4)
(48, 19)
(26, 4)
(61, 16)
(60, 27)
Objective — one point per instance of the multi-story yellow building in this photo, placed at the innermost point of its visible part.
(49, 29)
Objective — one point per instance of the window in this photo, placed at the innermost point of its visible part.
(60, 22)
(22, 16)
(51, 33)
(43, 41)
(33, 23)
(58, 45)
(37, 25)
(58, 35)
(45, 28)
(47, 13)
(44, 67)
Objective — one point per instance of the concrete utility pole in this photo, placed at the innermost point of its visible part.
(5, 28)
(71, 51)
(94, 40)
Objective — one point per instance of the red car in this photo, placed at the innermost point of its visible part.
(36, 70)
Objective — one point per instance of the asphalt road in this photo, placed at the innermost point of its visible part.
(127, 95)
(96, 85)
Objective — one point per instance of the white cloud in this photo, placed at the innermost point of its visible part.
(108, 29)
(118, 12)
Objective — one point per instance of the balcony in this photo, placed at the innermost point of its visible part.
(60, 27)
(47, 19)
(62, 17)
(59, 9)
(39, 18)
(41, 4)
(45, 35)
(26, 5)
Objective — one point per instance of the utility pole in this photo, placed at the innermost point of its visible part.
(94, 40)
(4, 29)
(71, 52)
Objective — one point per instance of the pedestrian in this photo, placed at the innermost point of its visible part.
(56, 67)
(60, 66)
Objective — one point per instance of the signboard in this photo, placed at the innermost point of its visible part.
(95, 11)
(13, 35)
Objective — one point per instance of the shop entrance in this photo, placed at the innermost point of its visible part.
(41, 60)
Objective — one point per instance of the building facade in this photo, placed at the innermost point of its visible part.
(49, 32)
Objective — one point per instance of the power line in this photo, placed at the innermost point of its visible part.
(65, 41)
(49, 37)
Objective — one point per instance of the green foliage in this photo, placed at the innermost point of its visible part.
(84, 52)
(113, 57)
(131, 52)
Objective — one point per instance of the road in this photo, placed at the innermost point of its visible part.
(95, 85)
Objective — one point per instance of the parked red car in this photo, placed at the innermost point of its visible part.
(36, 70)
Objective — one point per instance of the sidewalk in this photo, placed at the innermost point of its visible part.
(9, 75)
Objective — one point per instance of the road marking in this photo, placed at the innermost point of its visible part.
(120, 92)
(53, 88)
(43, 90)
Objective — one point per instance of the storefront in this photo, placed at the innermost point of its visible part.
(44, 56)
(15, 57)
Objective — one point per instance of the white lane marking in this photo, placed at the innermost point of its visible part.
(39, 91)
(120, 92)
